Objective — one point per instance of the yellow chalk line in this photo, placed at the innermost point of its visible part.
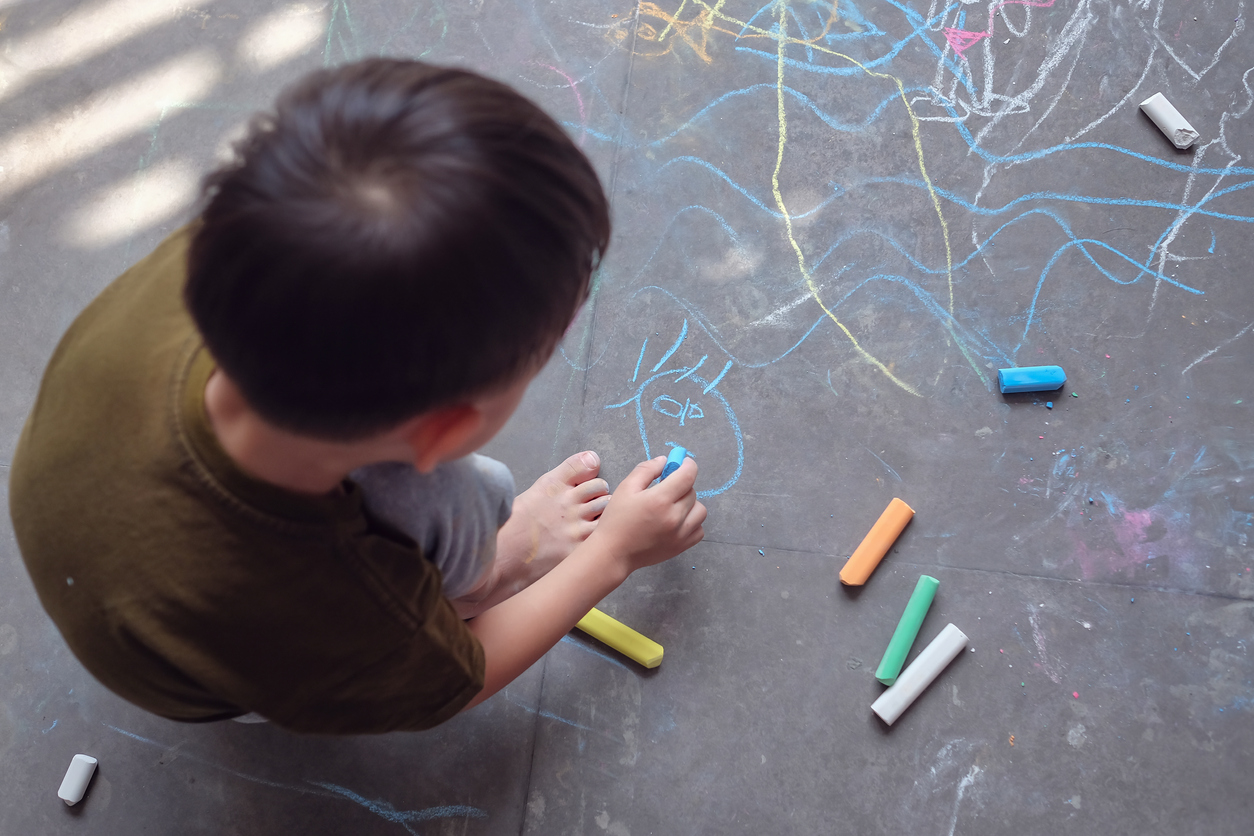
(901, 92)
(963, 348)
(708, 20)
(918, 151)
(674, 18)
(782, 42)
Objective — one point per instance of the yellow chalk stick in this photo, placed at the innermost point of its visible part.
(622, 638)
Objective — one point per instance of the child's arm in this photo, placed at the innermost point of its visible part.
(640, 527)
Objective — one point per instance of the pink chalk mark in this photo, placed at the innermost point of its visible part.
(961, 40)
(1134, 541)
(574, 86)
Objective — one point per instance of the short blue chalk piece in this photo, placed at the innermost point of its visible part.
(1031, 379)
(673, 461)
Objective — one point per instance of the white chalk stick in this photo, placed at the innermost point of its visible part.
(74, 784)
(1169, 120)
(926, 667)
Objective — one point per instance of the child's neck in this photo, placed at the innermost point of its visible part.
(295, 462)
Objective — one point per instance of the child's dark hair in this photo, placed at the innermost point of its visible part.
(394, 237)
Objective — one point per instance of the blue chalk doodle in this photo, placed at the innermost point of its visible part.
(383, 809)
(699, 364)
(686, 412)
(636, 373)
(715, 381)
(680, 341)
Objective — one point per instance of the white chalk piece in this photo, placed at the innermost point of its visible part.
(926, 667)
(1169, 121)
(76, 779)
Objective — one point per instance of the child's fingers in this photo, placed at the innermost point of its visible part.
(684, 503)
(680, 482)
(696, 516)
(696, 536)
(642, 475)
(691, 530)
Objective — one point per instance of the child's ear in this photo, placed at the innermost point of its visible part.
(437, 434)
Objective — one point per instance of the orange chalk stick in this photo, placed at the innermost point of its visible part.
(876, 544)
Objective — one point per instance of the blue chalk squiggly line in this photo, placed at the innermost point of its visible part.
(548, 715)
(1029, 315)
(919, 28)
(726, 178)
(887, 467)
(386, 811)
(1075, 198)
(597, 653)
(383, 809)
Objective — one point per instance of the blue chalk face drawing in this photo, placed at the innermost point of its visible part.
(678, 408)
(672, 408)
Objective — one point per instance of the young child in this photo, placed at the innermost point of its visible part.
(248, 482)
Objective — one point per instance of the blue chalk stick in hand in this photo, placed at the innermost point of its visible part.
(673, 461)
(1031, 379)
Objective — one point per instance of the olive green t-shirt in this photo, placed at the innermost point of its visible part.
(192, 589)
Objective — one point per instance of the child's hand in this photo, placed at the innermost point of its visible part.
(645, 525)
(640, 526)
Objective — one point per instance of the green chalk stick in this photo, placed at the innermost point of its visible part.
(907, 629)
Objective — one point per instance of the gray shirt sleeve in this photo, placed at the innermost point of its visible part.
(453, 513)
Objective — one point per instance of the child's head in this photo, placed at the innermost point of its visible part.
(394, 238)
